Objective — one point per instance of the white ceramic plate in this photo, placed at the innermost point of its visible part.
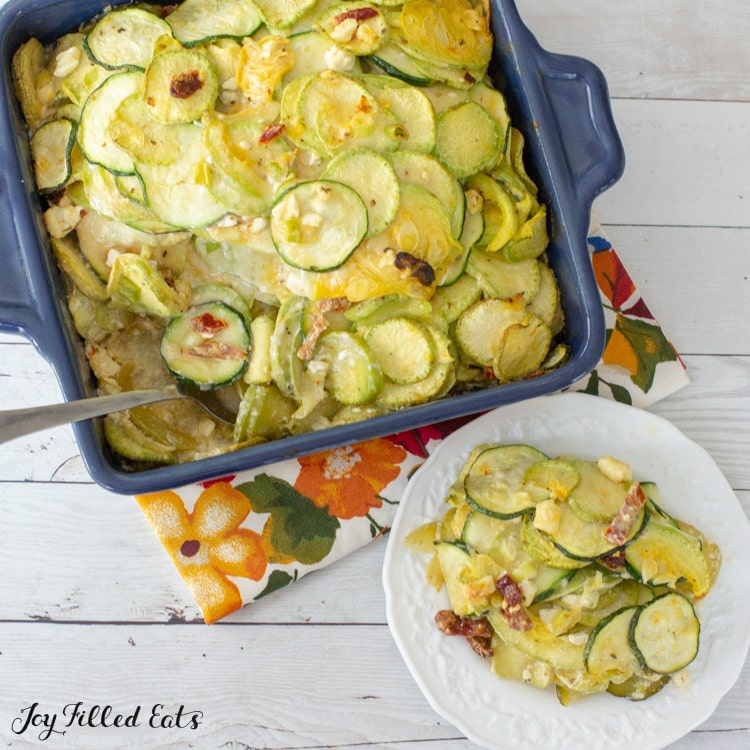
(506, 715)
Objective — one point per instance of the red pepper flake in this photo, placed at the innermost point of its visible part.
(512, 606)
(358, 14)
(207, 323)
(184, 85)
(271, 132)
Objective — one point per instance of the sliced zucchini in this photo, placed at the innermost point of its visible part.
(317, 225)
(468, 139)
(453, 300)
(172, 191)
(375, 310)
(546, 302)
(180, 85)
(51, 147)
(447, 32)
(222, 293)
(312, 54)
(264, 413)
(125, 438)
(585, 540)
(608, 654)
(404, 347)
(392, 59)
(196, 22)
(480, 329)
(135, 284)
(125, 38)
(469, 579)
(208, 345)
(639, 686)
(665, 634)
(425, 171)
(531, 239)
(371, 175)
(663, 555)
(436, 384)
(283, 14)
(494, 483)
(259, 369)
(597, 497)
(559, 478)
(539, 643)
(494, 102)
(412, 108)
(28, 62)
(498, 209)
(287, 369)
(540, 547)
(358, 27)
(502, 279)
(522, 349)
(71, 262)
(96, 116)
(135, 130)
(354, 374)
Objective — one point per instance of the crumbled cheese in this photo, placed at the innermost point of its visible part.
(578, 639)
(474, 201)
(312, 220)
(614, 469)
(205, 428)
(529, 590)
(62, 219)
(66, 62)
(339, 59)
(681, 679)
(345, 31)
(228, 220)
(547, 516)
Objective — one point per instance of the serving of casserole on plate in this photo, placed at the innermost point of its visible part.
(347, 218)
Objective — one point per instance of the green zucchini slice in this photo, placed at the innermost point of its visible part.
(354, 375)
(317, 225)
(194, 22)
(208, 345)
(373, 178)
(404, 347)
(51, 146)
(96, 115)
(180, 85)
(468, 139)
(392, 59)
(608, 654)
(495, 481)
(358, 27)
(125, 38)
(665, 633)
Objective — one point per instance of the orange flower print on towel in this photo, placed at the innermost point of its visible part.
(348, 479)
(208, 545)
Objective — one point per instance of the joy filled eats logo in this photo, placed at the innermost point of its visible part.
(33, 719)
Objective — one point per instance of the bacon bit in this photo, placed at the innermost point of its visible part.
(615, 561)
(212, 349)
(469, 78)
(489, 373)
(184, 85)
(420, 269)
(622, 524)
(358, 14)
(207, 323)
(478, 632)
(271, 132)
(512, 606)
(319, 324)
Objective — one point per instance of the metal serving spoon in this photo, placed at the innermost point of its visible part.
(19, 422)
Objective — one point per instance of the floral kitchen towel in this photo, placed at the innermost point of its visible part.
(236, 539)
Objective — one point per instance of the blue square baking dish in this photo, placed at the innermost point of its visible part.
(573, 152)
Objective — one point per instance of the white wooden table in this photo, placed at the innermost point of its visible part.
(92, 610)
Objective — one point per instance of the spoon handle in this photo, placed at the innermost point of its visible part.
(19, 422)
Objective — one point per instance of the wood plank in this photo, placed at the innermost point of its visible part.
(686, 164)
(665, 263)
(258, 685)
(675, 49)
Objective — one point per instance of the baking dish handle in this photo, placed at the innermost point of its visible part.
(19, 311)
(578, 96)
